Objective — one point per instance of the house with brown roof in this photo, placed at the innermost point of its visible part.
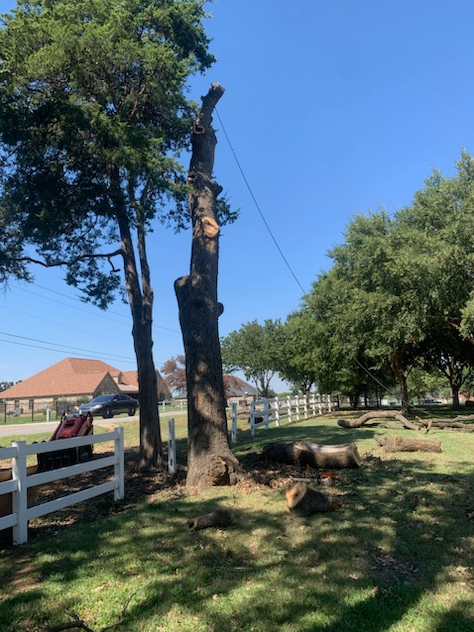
(74, 380)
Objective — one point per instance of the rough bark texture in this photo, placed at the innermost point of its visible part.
(304, 501)
(141, 306)
(378, 414)
(210, 459)
(314, 455)
(220, 518)
(399, 444)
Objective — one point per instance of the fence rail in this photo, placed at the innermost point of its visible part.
(21, 482)
(263, 412)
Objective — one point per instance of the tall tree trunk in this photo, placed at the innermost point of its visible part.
(398, 369)
(210, 459)
(455, 390)
(140, 298)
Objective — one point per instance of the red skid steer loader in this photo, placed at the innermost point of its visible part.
(71, 425)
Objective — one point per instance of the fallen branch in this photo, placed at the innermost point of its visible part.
(447, 424)
(399, 444)
(378, 414)
(313, 454)
(220, 518)
(80, 624)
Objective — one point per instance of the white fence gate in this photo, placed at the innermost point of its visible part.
(20, 482)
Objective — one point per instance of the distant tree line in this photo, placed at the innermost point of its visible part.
(395, 310)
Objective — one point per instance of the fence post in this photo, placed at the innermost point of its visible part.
(290, 412)
(312, 401)
(171, 447)
(277, 412)
(265, 414)
(319, 404)
(233, 432)
(252, 417)
(20, 496)
(119, 473)
(305, 406)
(297, 408)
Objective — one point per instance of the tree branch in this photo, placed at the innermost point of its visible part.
(67, 262)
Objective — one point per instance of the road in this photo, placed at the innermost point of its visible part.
(8, 430)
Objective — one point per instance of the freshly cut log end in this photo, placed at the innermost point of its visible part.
(304, 501)
(313, 454)
(220, 518)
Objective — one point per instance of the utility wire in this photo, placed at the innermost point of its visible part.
(258, 206)
(359, 364)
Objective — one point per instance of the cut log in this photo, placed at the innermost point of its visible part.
(220, 518)
(378, 414)
(304, 501)
(313, 454)
(398, 444)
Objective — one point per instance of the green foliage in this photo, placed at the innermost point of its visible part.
(254, 349)
(93, 117)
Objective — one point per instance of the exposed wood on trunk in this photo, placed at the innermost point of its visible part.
(378, 414)
(304, 501)
(210, 458)
(314, 455)
(400, 444)
(220, 518)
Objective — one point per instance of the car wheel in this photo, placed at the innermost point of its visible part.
(131, 411)
(108, 412)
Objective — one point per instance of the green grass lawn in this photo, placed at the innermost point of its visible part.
(398, 556)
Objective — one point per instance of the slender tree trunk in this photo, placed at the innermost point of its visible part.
(398, 369)
(140, 298)
(210, 459)
(455, 390)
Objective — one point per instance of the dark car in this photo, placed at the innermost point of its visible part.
(110, 405)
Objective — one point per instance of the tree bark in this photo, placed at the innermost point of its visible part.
(378, 414)
(398, 369)
(219, 518)
(304, 501)
(140, 296)
(399, 444)
(210, 459)
(314, 455)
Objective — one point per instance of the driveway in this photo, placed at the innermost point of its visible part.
(8, 430)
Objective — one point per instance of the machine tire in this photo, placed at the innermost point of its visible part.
(108, 413)
(131, 411)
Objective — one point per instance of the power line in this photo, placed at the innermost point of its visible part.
(55, 344)
(258, 207)
(359, 364)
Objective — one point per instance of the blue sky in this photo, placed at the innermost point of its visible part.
(331, 107)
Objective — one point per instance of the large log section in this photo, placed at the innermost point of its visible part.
(314, 455)
(399, 444)
(304, 501)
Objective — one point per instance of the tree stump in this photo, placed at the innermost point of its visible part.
(398, 444)
(313, 454)
(220, 518)
(304, 501)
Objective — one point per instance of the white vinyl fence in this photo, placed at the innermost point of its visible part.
(20, 483)
(263, 412)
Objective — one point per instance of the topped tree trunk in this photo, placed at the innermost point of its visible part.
(210, 458)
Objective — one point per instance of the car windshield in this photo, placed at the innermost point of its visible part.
(100, 399)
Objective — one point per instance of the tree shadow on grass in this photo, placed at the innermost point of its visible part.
(402, 534)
